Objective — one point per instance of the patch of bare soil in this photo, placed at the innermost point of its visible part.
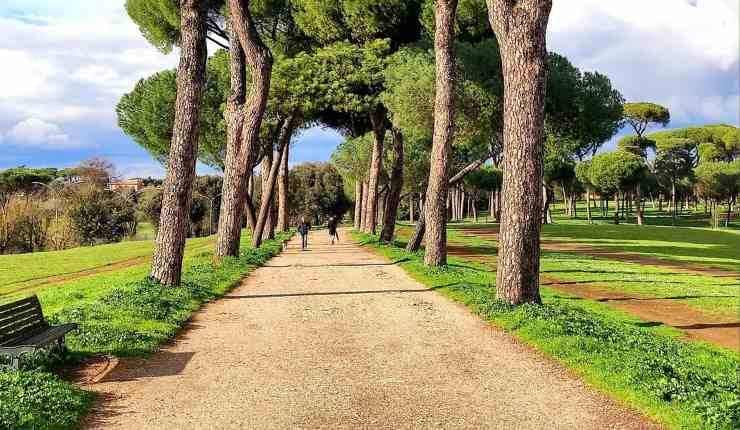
(338, 337)
(654, 310)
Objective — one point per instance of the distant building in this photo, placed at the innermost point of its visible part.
(132, 184)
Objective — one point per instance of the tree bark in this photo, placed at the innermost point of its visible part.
(270, 168)
(444, 127)
(365, 187)
(174, 219)
(638, 205)
(377, 119)
(411, 208)
(282, 223)
(358, 204)
(240, 152)
(394, 192)
(588, 206)
(520, 28)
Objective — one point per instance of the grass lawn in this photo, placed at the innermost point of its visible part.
(24, 274)
(710, 248)
(683, 385)
(713, 295)
(122, 313)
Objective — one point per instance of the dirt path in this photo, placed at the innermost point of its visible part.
(697, 325)
(631, 257)
(336, 337)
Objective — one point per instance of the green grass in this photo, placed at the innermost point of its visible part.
(23, 274)
(683, 385)
(120, 313)
(710, 294)
(687, 218)
(710, 248)
(144, 231)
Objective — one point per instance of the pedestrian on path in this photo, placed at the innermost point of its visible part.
(303, 229)
(332, 224)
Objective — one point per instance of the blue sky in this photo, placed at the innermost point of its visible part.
(65, 65)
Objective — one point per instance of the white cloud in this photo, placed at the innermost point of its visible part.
(680, 53)
(36, 132)
(72, 67)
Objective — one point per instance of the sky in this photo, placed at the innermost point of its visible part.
(65, 64)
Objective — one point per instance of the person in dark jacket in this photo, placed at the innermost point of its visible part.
(303, 229)
(332, 225)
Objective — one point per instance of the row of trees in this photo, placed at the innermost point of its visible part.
(689, 165)
(426, 91)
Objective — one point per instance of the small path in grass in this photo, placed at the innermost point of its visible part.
(697, 325)
(491, 233)
(338, 337)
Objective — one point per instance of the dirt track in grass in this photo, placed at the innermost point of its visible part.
(337, 337)
(720, 331)
(631, 257)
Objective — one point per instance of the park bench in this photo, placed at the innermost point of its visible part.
(24, 330)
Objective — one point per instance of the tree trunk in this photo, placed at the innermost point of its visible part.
(673, 203)
(411, 208)
(377, 119)
(249, 202)
(358, 204)
(638, 206)
(282, 218)
(546, 216)
(240, 151)
(365, 188)
(174, 219)
(265, 220)
(444, 113)
(588, 206)
(520, 28)
(394, 192)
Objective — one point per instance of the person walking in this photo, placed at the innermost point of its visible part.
(303, 229)
(332, 225)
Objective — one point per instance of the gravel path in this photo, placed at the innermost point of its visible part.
(335, 337)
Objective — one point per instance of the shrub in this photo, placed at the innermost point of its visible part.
(99, 215)
(23, 222)
(61, 234)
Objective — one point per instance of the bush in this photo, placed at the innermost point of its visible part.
(61, 234)
(99, 215)
(23, 222)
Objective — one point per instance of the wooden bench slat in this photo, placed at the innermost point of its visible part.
(28, 323)
(13, 338)
(9, 319)
(25, 307)
(21, 302)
